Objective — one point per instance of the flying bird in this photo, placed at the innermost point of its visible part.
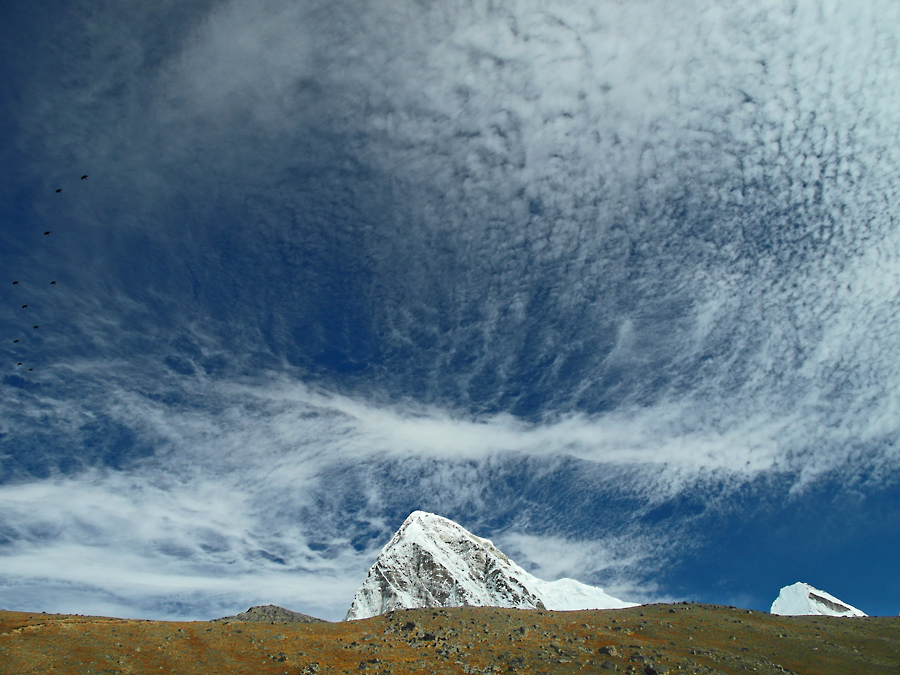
(46, 233)
(15, 340)
(24, 306)
(19, 363)
(84, 177)
(52, 282)
(15, 282)
(58, 190)
(37, 326)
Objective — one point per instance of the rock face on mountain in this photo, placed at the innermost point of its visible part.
(271, 614)
(433, 562)
(802, 599)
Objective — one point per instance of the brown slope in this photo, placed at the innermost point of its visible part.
(682, 638)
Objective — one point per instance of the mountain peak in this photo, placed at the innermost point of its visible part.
(432, 561)
(271, 614)
(802, 599)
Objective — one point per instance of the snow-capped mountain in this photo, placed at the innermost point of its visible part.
(802, 599)
(433, 562)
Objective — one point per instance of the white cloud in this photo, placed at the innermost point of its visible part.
(189, 548)
(621, 565)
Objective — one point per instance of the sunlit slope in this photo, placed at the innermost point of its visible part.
(690, 638)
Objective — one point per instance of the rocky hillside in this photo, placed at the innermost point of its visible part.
(650, 639)
(271, 614)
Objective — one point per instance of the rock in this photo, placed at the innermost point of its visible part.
(271, 614)
(433, 562)
(609, 651)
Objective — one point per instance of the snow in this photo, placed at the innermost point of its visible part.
(569, 594)
(432, 561)
(802, 599)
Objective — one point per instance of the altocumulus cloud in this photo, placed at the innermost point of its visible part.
(552, 269)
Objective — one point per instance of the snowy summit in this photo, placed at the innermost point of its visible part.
(802, 599)
(433, 562)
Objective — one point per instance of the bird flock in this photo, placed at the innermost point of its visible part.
(25, 306)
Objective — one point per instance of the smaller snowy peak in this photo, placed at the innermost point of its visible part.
(802, 599)
(432, 561)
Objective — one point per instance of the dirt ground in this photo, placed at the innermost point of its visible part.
(678, 638)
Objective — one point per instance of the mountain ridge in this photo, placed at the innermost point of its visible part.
(271, 614)
(675, 637)
(801, 599)
(431, 561)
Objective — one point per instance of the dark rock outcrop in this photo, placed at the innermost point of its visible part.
(272, 614)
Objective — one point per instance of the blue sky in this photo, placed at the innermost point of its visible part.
(614, 284)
